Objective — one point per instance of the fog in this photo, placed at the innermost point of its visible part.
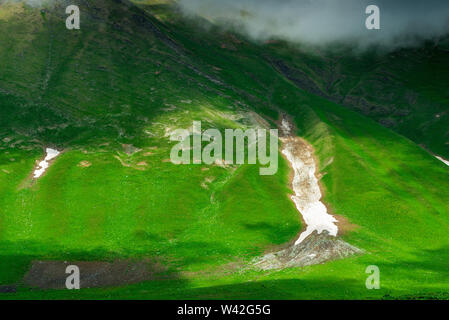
(403, 23)
(324, 22)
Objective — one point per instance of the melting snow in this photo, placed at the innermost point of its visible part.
(43, 165)
(443, 160)
(307, 191)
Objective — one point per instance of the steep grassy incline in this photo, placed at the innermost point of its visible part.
(404, 90)
(127, 78)
(120, 83)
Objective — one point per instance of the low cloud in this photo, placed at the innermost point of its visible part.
(32, 3)
(325, 22)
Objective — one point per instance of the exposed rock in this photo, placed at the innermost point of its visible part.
(129, 149)
(315, 249)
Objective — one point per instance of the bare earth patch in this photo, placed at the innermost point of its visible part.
(51, 274)
(84, 164)
(344, 225)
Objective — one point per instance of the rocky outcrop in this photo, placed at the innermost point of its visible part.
(315, 249)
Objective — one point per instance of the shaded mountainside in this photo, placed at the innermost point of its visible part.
(109, 95)
(405, 90)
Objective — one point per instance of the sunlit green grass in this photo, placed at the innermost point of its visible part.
(110, 83)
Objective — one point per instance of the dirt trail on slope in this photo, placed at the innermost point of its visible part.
(319, 242)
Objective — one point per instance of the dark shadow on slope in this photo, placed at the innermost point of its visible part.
(432, 260)
(95, 274)
(98, 267)
(270, 231)
(99, 78)
(326, 288)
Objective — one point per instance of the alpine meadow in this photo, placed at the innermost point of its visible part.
(327, 174)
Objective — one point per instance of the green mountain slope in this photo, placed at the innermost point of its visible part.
(404, 90)
(129, 77)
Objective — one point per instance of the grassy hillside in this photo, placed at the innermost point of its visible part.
(122, 205)
(403, 90)
(133, 74)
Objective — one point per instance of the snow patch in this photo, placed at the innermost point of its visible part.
(443, 160)
(44, 164)
(305, 185)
